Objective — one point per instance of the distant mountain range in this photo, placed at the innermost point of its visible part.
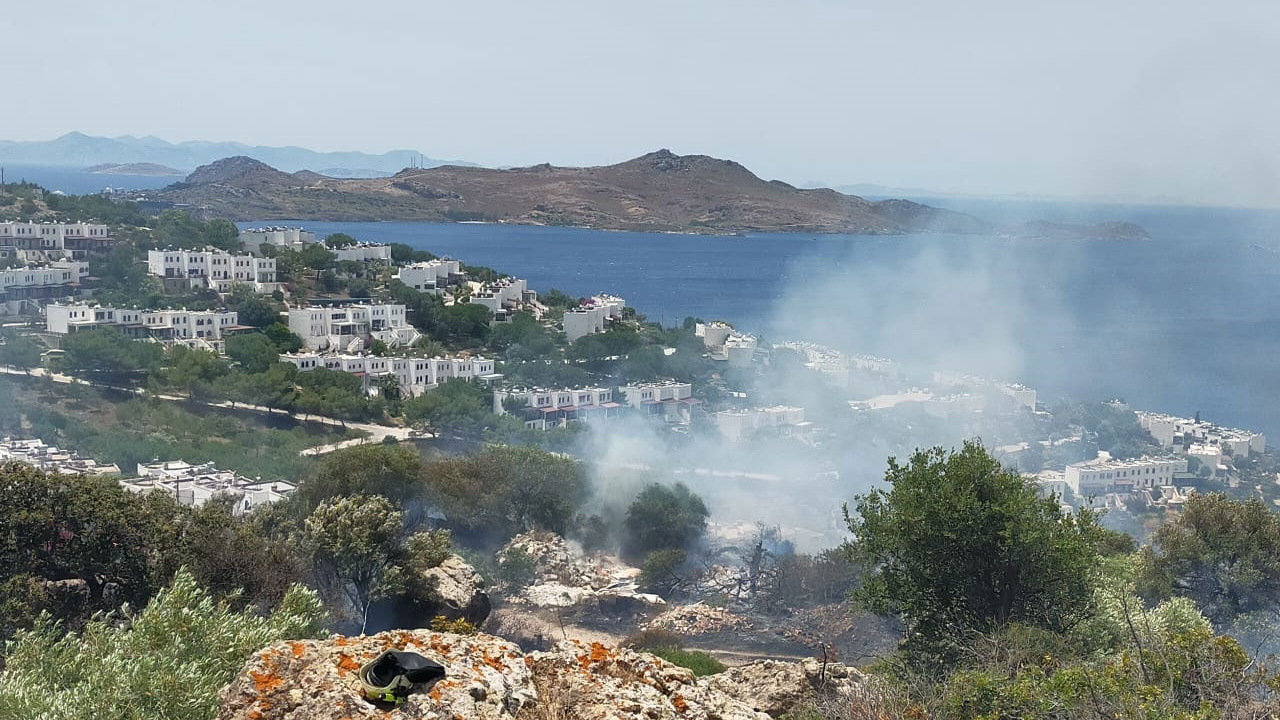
(657, 192)
(83, 151)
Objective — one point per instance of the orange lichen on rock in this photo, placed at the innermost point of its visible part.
(348, 664)
(265, 682)
(599, 653)
(680, 704)
(298, 649)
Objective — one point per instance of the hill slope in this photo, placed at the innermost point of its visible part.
(658, 192)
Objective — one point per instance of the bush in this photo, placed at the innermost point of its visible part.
(169, 661)
(460, 626)
(517, 568)
(699, 662)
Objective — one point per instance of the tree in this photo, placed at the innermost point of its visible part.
(254, 352)
(1222, 554)
(87, 531)
(355, 540)
(395, 473)
(504, 490)
(194, 371)
(339, 240)
(19, 351)
(663, 517)
(108, 350)
(251, 308)
(169, 661)
(456, 407)
(960, 544)
(286, 341)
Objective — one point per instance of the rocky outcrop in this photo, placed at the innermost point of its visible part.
(698, 619)
(490, 678)
(777, 688)
(453, 590)
(566, 577)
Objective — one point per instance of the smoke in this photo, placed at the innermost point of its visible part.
(956, 305)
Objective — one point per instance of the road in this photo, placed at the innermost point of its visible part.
(376, 431)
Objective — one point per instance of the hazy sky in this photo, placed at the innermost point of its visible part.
(1153, 97)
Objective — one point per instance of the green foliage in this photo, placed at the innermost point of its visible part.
(456, 407)
(88, 530)
(502, 491)
(177, 229)
(339, 240)
(1222, 554)
(699, 662)
(19, 351)
(169, 661)
(402, 254)
(554, 298)
(387, 471)
(95, 208)
(284, 338)
(428, 549)
(192, 371)
(660, 569)
(253, 352)
(959, 544)
(251, 308)
(355, 540)
(107, 350)
(664, 517)
(517, 568)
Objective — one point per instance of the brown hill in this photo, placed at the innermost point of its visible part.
(658, 192)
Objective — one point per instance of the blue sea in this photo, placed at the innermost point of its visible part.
(1187, 322)
(75, 181)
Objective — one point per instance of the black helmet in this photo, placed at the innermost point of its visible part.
(393, 675)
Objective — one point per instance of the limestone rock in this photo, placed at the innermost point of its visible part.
(777, 688)
(595, 682)
(487, 677)
(452, 589)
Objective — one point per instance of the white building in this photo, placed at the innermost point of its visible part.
(545, 409)
(432, 276)
(346, 328)
(739, 350)
(50, 459)
(592, 316)
(1182, 433)
(26, 289)
(1021, 394)
(214, 269)
(669, 401)
(194, 485)
(1050, 483)
(277, 237)
(180, 324)
(1103, 475)
(1210, 456)
(713, 334)
(415, 375)
(364, 252)
(736, 424)
(503, 296)
(53, 240)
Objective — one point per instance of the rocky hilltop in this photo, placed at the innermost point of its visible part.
(490, 678)
(658, 192)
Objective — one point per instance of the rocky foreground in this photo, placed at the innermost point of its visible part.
(491, 678)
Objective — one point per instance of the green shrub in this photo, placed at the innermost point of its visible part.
(699, 662)
(169, 661)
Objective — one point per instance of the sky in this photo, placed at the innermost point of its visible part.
(1152, 98)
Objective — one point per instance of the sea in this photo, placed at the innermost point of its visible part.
(1187, 322)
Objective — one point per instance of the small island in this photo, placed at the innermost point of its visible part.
(138, 168)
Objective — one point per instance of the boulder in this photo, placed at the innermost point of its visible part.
(453, 589)
(777, 688)
(487, 677)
